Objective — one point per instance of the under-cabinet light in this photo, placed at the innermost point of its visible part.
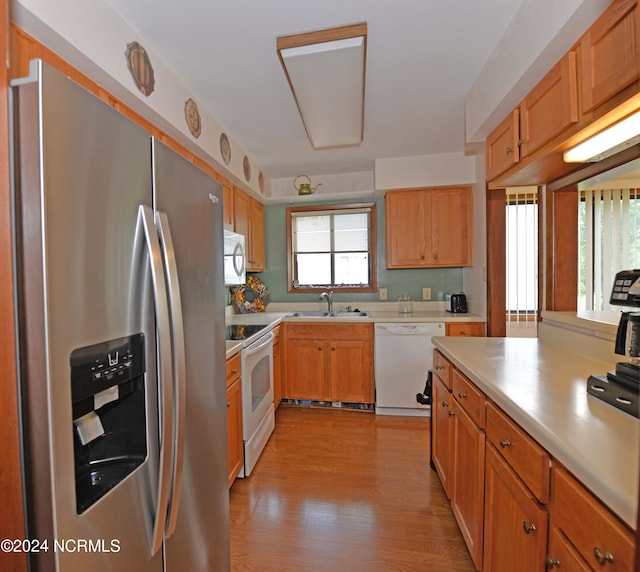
(606, 143)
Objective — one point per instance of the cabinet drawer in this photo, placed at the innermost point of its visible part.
(527, 458)
(465, 329)
(233, 369)
(442, 368)
(333, 331)
(589, 526)
(470, 398)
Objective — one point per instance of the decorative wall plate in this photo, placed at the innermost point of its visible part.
(140, 68)
(261, 182)
(192, 116)
(246, 168)
(225, 148)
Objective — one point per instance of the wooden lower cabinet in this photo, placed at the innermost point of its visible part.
(561, 554)
(515, 524)
(234, 418)
(588, 528)
(442, 438)
(467, 494)
(329, 362)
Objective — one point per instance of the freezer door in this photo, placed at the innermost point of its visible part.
(81, 171)
(192, 203)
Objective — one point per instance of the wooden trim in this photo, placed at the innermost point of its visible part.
(496, 263)
(12, 525)
(373, 223)
(562, 250)
(320, 36)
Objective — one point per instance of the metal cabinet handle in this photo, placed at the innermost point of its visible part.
(444, 404)
(464, 333)
(228, 404)
(452, 412)
(505, 443)
(602, 557)
(521, 142)
(551, 562)
(509, 150)
(529, 527)
(234, 371)
(462, 394)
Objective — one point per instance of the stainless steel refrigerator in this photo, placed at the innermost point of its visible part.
(120, 298)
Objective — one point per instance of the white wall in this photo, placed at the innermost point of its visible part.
(92, 37)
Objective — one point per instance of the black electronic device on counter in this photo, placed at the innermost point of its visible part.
(456, 303)
(621, 387)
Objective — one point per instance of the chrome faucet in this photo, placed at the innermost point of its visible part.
(328, 296)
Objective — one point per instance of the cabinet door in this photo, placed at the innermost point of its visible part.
(562, 555)
(451, 223)
(406, 229)
(227, 204)
(550, 107)
(241, 215)
(234, 430)
(467, 491)
(351, 372)
(515, 524)
(502, 146)
(442, 427)
(610, 54)
(306, 370)
(256, 231)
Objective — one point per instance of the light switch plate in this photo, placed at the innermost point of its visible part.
(383, 293)
(426, 293)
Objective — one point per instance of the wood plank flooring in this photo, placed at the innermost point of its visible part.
(345, 491)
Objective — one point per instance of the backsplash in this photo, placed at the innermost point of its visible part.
(440, 280)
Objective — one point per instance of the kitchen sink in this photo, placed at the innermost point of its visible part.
(337, 314)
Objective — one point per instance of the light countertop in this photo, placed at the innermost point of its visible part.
(543, 388)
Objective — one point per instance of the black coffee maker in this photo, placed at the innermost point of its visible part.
(621, 387)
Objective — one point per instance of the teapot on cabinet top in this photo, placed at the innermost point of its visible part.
(305, 188)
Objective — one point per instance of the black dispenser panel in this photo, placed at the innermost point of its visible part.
(109, 424)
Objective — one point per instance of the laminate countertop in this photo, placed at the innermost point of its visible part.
(543, 388)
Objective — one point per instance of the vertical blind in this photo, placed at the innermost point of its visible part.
(522, 254)
(609, 241)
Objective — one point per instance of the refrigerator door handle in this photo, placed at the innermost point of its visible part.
(165, 390)
(179, 367)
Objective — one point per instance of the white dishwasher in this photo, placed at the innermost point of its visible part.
(403, 358)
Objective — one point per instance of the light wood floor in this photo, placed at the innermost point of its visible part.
(345, 491)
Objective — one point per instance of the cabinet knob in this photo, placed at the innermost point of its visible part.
(234, 371)
(521, 142)
(319, 348)
(505, 443)
(333, 349)
(529, 527)
(602, 557)
(444, 404)
(228, 405)
(452, 412)
(551, 562)
(464, 333)
(509, 150)
(462, 394)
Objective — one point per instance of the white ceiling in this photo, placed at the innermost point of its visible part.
(422, 58)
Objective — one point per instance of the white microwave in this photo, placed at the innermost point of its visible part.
(234, 259)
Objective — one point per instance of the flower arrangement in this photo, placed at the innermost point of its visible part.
(250, 297)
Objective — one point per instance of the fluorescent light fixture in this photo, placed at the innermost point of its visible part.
(624, 134)
(326, 73)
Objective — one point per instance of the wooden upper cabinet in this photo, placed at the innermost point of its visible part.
(502, 146)
(610, 54)
(427, 228)
(550, 107)
(227, 204)
(451, 224)
(256, 233)
(248, 219)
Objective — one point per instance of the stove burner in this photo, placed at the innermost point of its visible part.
(242, 332)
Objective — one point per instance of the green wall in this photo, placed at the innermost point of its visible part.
(440, 280)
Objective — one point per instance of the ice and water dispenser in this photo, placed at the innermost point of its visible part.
(107, 391)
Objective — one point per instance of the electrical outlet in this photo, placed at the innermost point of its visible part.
(383, 293)
(426, 293)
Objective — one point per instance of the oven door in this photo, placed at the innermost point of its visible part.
(257, 383)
